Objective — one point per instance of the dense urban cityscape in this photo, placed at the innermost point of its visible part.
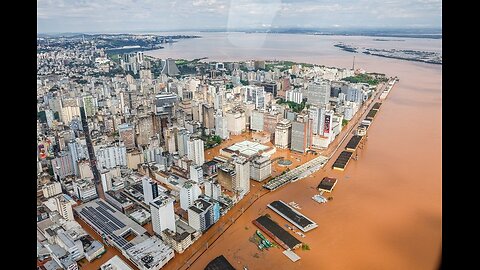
(139, 158)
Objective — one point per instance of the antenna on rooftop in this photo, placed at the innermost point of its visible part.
(353, 67)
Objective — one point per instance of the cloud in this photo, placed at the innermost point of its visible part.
(148, 15)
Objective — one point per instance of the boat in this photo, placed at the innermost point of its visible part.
(319, 198)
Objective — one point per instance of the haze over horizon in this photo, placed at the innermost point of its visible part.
(54, 16)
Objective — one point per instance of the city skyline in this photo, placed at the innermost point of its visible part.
(193, 15)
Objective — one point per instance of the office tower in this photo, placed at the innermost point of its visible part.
(221, 126)
(150, 189)
(325, 126)
(163, 215)
(316, 115)
(208, 119)
(283, 134)
(195, 151)
(106, 180)
(299, 136)
(318, 93)
(183, 136)
(257, 122)
(242, 179)
(164, 104)
(189, 192)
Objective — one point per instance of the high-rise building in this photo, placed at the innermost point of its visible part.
(208, 119)
(294, 95)
(145, 128)
(255, 95)
(227, 176)
(270, 121)
(283, 134)
(315, 114)
(242, 179)
(196, 173)
(62, 166)
(189, 192)
(163, 215)
(51, 189)
(165, 104)
(221, 126)
(195, 151)
(236, 121)
(257, 122)
(260, 168)
(85, 189)
(111, 156)
(90, 105)
(150, 189)
(213, 189)
(127, 134)
(318, 93)
(299, 136)
(200, 215)
(326, 123)
(64, 206)
(183, 136)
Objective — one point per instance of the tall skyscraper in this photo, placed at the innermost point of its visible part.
(183, 136)
(195, 151)
(299, 136)
(283, 134)
(242, 180)
(318, 93)
(150, 189)
(163, 215)
(257, 122)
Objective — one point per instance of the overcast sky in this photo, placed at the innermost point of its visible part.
(163, 15)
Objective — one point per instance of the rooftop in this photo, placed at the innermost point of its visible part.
(109, 222)
(150, 252)
(248, 148)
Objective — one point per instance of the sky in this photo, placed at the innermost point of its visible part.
(60, 16)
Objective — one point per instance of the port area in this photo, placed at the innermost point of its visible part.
(296, 218)
(388, 89)
(327, 184)
(277, 233)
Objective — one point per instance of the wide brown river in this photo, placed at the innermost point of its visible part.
(387, 207)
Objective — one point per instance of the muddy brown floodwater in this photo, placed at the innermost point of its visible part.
(387, 206)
